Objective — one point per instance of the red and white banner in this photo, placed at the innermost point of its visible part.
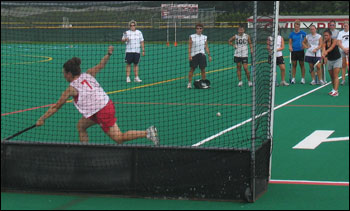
(287, 22)
(179, 11)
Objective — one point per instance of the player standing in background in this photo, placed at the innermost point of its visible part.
(93, 103)
(332, 27)
(330, 50)
(296, 39)
(133, 39)
(279, 55)
(197, 45)
(313, 44)
(241, 53)
(343, 43)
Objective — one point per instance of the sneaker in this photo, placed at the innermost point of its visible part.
(331, 92)
(342, 83)
(293, 81)
(250, 83)
(322, 82)
(313, 82)
(137, 79)
(189, 86)
(152, 135)
(240, 83)
(284, 83)
(128, 80)
(302, 81)
(335, 94)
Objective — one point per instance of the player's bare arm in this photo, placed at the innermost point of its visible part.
(93, 71)
(69, 92)
(189, 49)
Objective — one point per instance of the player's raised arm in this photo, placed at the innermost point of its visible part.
(93, 71)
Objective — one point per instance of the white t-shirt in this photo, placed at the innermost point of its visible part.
(279, 45)
(134, 43)
(91, 97)
(313, 41)
(198, 44)
(344, 37)
(241, 43)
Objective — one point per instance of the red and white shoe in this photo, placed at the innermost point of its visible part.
(335, 94)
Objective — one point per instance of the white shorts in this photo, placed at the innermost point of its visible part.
(335, 64)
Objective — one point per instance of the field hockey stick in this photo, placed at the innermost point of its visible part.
(315, 70)
(20, 132)
(290, 67)
(347, 62)
(324, 71)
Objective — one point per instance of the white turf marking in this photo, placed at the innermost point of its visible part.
(257, 116)
(316, 138)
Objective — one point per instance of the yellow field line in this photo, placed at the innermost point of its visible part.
(166, 81)
(47, 58)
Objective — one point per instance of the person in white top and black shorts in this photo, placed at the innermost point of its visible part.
(241, 53)
(313, 43)
(134, 40)
(279, 57)
(197, 46)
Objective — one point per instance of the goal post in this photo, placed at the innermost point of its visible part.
(175, 12)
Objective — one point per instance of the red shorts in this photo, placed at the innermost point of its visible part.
(105, 117)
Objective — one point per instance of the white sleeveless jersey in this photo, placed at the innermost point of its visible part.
(279, 45)
(91, 97)
(313, 41)
(241, 43)
(198, 44)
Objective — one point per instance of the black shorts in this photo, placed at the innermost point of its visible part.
(279, 60)
(198, 59)
(132, 58)
(243, 60)
(298, 56)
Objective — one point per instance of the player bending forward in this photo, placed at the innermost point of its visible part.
(93, 103)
